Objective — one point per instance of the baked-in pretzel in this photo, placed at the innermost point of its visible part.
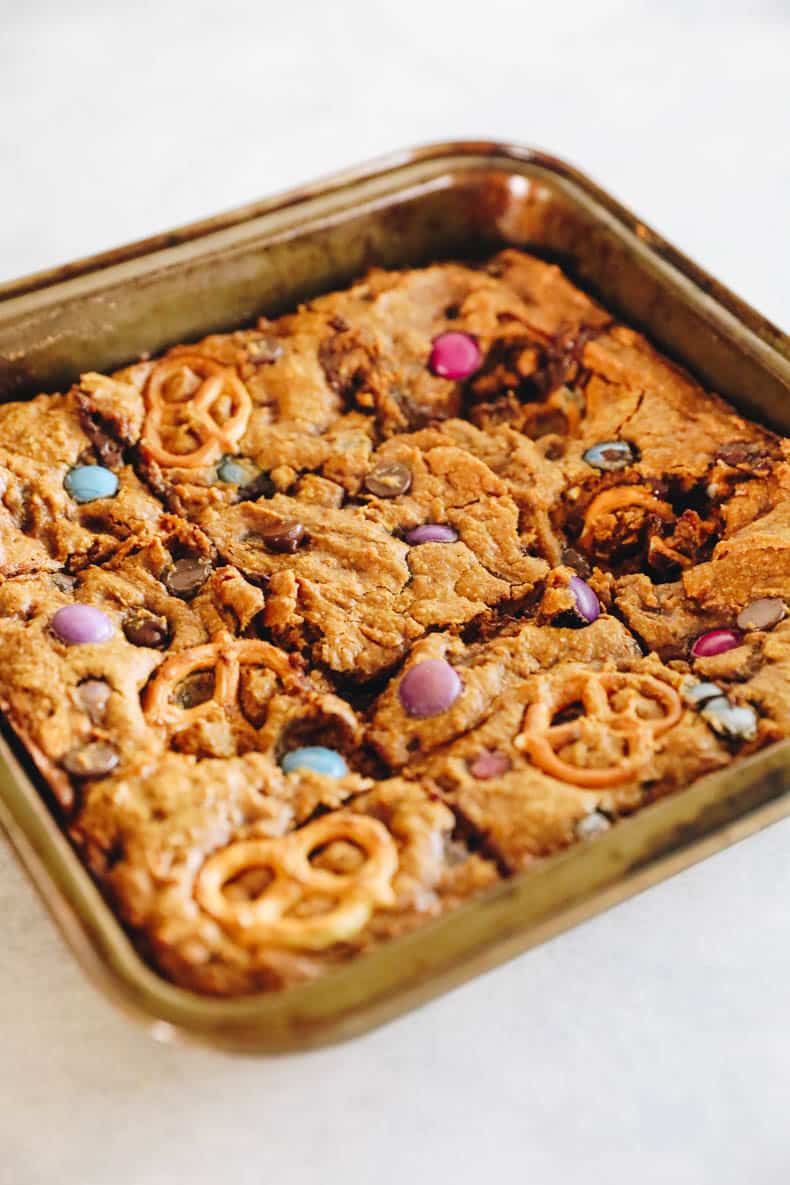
(619, 498)
(196, 414)
(224, 656)
(542, 740)
(272, 916)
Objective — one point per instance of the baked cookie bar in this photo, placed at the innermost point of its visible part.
(320, 628)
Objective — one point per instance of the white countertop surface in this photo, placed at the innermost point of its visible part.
(650, 1045)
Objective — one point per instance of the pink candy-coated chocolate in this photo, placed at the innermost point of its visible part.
(431, 533)
(455, 356)
(76, 624)
(587, 604)
(489, 765)
(716, 642)
(429, 688)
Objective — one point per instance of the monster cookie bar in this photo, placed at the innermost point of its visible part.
(154, 651)
(320, 628)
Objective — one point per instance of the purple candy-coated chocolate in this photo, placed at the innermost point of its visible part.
(716, 642)
(429, 688)
(587, 604)
(431, 533)
(455, 356)
(75, 624)
(489, 765)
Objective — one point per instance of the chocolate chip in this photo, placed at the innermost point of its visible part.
(762, 614)
(553, 448)
(64, 581)
(106, 448)
(339, 324)
(283, 537)
(92, 696)
(740, 452)
(388, 480)
(24, 514)
(561, 360)
(265, 350)
(195, 689)
(571, 558)
(187, 576)
(94, 760)
(146, 629)
(261, 486)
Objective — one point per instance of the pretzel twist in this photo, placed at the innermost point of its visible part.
(618, 498)
(541, 740)
(195, 413)
(225, 656)
(269, 918)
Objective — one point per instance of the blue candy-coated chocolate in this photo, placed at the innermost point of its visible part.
(85, 483)
(609, 455)
(317, 758)
(232, 471)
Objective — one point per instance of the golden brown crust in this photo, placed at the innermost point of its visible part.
(310, 510)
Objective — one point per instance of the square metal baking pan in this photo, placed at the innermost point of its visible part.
(445, 200)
